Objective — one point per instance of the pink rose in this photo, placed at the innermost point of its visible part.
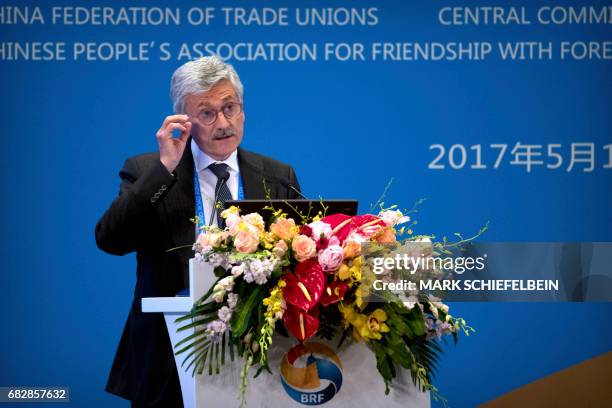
(242, 225)
(246, 242)
(284, 228)
(202, 243)
(303, 248)
(231, 220)
(331, 257)
(280, 249)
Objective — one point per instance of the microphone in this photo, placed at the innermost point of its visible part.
(221, 180)
(290, 186)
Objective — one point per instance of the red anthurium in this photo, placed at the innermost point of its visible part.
(301, 324)
(334, 293)
(346, 227)
(367, 221)
(305, 285)
(335, 219)
(360, 220)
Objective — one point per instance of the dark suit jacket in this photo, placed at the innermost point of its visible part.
(151, 215)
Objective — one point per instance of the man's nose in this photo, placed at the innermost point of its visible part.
(222, 122)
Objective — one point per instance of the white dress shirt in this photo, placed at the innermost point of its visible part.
(208, 180)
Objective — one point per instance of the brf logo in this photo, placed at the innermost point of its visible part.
(311, 373)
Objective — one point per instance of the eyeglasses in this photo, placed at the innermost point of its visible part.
(230, 109)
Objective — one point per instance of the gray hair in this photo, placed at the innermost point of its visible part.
(199, 76)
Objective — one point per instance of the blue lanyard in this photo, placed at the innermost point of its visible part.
(199, 203)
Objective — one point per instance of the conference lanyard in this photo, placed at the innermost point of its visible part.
(199, 203)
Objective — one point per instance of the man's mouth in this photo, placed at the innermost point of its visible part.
(223, 137)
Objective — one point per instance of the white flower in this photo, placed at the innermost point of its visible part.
(441, 306)
(217, 326)
(320, 228)
(259, 270)
(202, 246)
(218, 295)
(232, 300)
(248, 277)
(434, 310)
(255, 220)
(214, 329)
(238, 270)
(393, 217)
(215, 239)
(260, 278)
(410, 302)
(225, 313)
(217, 259)
(226, 283)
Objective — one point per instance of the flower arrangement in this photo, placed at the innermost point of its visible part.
(306, 279)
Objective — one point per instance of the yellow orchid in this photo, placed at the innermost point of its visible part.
(371, 327)
(268, 239)
(349, 314)
(359, 298)
(344, 272)
(352, 271)
(356, 269)
(275, 303)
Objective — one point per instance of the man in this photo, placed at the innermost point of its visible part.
(159, 195)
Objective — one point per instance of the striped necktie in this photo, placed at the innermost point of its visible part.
(222, 193)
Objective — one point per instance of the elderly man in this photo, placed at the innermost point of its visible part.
(160, 192)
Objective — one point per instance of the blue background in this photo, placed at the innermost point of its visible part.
(347, 128)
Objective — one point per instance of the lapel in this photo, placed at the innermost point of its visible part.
(252, 174)
(179, 208)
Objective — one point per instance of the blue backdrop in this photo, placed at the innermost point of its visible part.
(347, 127)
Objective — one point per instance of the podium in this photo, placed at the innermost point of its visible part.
(323, 375)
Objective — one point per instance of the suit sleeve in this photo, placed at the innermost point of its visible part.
(123, 227)
(292, 178)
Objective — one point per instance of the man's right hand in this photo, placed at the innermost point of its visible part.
(170, 148)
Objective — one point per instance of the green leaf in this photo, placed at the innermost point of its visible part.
(231, 349)
(198, 322)
(399, 323)
(223, 349)
(219, 272)
(382, 364)
(199, 367)
(244, 312)
(210, 361)
(217, 365)
(416, 322)
(401, 355)
(195, 334)
(193, 352)
(192, 344)
(261, 368)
